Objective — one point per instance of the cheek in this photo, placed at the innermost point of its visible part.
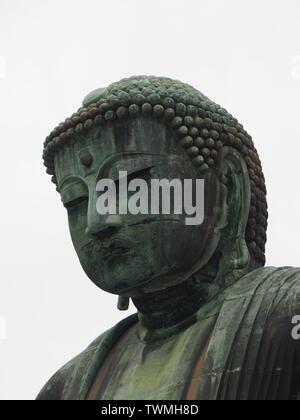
(170, 245)
(176, 246)
(77, 225)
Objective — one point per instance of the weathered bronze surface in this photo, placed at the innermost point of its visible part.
(211, 322)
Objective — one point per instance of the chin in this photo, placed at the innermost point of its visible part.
(122, 274)
(128, 283)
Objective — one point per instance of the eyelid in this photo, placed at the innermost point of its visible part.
(73, 191)
(134, 172)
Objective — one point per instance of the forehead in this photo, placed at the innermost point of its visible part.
(141, 136)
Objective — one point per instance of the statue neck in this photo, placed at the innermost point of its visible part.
(170, 309)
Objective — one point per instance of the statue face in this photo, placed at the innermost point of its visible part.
(130, 254)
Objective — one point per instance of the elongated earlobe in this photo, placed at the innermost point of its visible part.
(235, 260)
(123, 303)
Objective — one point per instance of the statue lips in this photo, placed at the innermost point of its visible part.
(116, 247)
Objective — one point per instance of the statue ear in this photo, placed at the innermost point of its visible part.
(235, 259)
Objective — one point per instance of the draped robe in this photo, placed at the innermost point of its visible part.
(247, 352)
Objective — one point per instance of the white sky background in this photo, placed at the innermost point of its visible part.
(244, 55)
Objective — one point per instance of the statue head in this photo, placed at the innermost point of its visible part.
(158, 128)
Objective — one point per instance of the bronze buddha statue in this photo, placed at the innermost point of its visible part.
(212, 322)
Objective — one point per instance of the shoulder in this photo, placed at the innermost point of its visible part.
(272, 291)
(284, 281)
(72, 373)
(54, 388)
(253, 343)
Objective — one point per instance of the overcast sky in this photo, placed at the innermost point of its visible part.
(244, 55)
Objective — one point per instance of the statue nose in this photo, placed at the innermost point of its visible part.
(99, 225)
(104, 228)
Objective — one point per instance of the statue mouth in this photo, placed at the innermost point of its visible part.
(116, 247)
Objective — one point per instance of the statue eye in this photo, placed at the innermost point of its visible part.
(74, 194)
(76, 202)
(142, 173)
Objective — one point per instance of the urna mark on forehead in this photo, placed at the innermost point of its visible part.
(89, 152)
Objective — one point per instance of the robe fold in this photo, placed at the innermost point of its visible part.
(251, 353)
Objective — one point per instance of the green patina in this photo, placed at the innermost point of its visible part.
(190, 284)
